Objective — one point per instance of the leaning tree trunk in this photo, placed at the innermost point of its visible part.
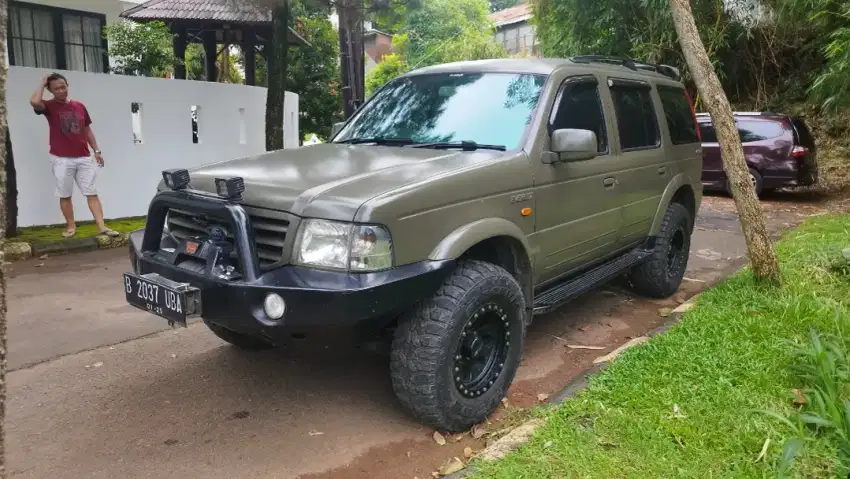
(4, 70)
(276, 75)
(11, 190)
(762, 254)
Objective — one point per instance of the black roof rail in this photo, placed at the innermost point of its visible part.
(631, 64)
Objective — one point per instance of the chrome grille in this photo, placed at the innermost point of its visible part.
(269, 233)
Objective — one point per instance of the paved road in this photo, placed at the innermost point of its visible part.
(98, 389)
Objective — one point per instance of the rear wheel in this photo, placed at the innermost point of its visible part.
(757, 181)
(241, 341)
(661, 274)
(455, 356)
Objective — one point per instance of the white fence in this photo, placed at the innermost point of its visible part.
(136, 148)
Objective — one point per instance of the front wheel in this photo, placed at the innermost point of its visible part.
(454, 357)
(661, 274)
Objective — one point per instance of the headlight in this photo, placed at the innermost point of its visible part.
(343, 246)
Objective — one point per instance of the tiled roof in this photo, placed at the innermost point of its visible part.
(511, 15)
(236, 11)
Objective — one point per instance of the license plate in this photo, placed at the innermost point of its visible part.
(160, 296)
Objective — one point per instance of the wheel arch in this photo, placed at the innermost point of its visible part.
(679, 190)
(496, 241)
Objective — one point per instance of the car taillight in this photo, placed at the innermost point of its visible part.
(799, 151)
(694, 114)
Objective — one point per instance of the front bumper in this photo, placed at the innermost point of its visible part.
(314, 298)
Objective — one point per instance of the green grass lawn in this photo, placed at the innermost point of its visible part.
(48, 234)
(682, 405)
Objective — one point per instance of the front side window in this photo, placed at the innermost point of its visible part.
(581, 108)
(636, 121)
(486, 108)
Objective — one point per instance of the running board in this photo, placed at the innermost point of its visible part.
(555, 296)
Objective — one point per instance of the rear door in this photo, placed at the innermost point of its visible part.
(682, 147)
(639, 169)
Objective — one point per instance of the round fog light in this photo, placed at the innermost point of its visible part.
(274, 306)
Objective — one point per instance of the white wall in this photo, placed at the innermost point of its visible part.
(132, 171)
(110, 8)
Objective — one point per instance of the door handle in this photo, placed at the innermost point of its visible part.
(609, 182)
(662, 170)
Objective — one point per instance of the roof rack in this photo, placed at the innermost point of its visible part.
(631, 64)
(746, 113)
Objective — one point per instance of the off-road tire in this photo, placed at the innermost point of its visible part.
(241, 341)
(426, 341)
(654, 277)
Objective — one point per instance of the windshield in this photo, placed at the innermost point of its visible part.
(486, 108)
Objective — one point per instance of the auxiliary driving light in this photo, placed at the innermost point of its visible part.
(274, 306)
(176, 179)
(230, 187)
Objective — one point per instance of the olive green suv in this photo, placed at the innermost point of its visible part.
(456, 204)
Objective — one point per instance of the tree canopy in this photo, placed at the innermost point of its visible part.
(439, 31)
(496, 5)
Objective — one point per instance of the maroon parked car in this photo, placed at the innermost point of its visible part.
(779, 149)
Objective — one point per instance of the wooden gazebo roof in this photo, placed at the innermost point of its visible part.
(234, 15)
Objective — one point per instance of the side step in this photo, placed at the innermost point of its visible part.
(561, 293)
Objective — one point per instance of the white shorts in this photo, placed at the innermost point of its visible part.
(68, 171)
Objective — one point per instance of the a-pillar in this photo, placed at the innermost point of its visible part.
(210, 67)
(178, 45)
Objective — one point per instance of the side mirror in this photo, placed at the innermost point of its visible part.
(574, 145)
(337, 126)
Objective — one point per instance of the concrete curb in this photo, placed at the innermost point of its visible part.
(520, 435)
(17, 250)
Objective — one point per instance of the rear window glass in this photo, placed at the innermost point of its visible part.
(677, 111)
(749, 131)
(636, 119)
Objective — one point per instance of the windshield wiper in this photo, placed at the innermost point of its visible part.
(464, 145)
(378, 141)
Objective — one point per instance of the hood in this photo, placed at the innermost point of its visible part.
(330, 180)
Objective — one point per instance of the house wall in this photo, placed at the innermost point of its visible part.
(231, 124)
(110, 8)
(518, 38)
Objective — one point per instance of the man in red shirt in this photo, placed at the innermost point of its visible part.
(70, 137)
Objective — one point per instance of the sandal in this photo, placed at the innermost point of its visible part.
(69, 233)
(110, 233)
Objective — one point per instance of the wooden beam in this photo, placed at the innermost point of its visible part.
(210, 72)
(178, 45)
(250, 52)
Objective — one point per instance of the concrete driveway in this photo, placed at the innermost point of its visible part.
(98, 389)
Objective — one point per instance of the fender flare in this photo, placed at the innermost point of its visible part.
(673, 186)
(465, 237)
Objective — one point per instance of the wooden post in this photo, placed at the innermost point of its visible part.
(250, 51)
(178, 45)
(210, 72)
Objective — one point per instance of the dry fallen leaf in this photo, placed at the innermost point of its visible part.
(478, 431)
(98, 364)
(458, 437)
(452, 467)
(39, 265)
(799, 397)
(763, 450)
(467, 452)
(505, 402)
(316, 433)
(580, 346)
(44, 256)
(542, 397)
(547, 444)
(439, 439)
(664, 312)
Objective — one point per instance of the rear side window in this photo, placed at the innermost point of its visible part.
(677, 111)
(804, 136)
(706, 131)
(751, 130)
(636, 119)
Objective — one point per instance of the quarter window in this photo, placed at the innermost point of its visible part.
(679, 116)
(636, 120)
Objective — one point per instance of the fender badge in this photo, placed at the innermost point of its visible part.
(519, 198)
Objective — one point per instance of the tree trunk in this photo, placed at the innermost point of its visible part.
(276, 75)
(4, 70)
(762, 253)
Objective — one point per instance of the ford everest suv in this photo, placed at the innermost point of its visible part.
(456, 204)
